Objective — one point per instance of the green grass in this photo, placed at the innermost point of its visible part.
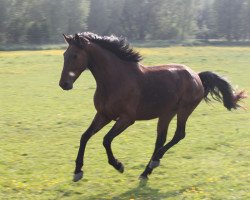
(40, 128)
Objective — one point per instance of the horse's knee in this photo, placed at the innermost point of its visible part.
(178, 137)
(85, 137)
(106, 142)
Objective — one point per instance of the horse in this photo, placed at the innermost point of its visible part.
(127, 91)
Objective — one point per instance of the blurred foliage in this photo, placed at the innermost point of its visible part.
(43, 21)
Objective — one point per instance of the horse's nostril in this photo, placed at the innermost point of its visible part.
(65, 86)
(62, 84)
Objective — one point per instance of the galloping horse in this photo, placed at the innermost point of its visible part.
(128, 91)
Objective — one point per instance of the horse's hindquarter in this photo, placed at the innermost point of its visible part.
(165, 88)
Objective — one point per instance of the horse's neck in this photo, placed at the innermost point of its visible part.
(105, 67)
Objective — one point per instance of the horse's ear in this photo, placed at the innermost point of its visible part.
(81, 40)
(77, 38)
(67, 38)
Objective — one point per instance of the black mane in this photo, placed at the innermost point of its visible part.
(117, 45)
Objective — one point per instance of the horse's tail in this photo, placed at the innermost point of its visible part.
(220, 90)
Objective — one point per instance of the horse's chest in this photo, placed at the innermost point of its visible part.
(117, 103)
(107, 105)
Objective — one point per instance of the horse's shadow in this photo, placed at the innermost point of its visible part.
(144, 192)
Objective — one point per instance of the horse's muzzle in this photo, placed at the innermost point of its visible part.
(66, 85)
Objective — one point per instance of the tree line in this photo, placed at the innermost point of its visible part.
(44, 21)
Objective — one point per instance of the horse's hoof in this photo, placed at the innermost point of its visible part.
(78, 176)
(143, 178)
(153, 164)
(121, 169)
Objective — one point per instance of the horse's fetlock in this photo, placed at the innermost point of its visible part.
(115, 163)
(154, 163)
(112, 162)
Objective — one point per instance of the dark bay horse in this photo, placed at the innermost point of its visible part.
(127, 91)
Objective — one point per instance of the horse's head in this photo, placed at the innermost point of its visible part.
(75, 60)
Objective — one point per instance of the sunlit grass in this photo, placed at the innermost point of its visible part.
(40, 128)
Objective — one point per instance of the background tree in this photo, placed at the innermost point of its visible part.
(99, 16)
(246, 20)
(44, 21)
(229, 18)
(205, 20)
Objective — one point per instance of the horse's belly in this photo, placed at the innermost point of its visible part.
(156, 106)
(147, 116)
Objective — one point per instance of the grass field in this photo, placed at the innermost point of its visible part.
(40, 128)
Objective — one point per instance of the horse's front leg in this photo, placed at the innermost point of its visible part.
(118, 128)
(97, 124)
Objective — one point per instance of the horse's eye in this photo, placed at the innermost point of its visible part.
(74, 56)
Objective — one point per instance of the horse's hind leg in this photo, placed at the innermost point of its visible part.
(182, 116)
(162, 129)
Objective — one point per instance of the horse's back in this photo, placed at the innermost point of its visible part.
(173, 79)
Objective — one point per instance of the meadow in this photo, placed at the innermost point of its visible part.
(40, 128)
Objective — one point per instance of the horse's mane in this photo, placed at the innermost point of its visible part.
(117, 45)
